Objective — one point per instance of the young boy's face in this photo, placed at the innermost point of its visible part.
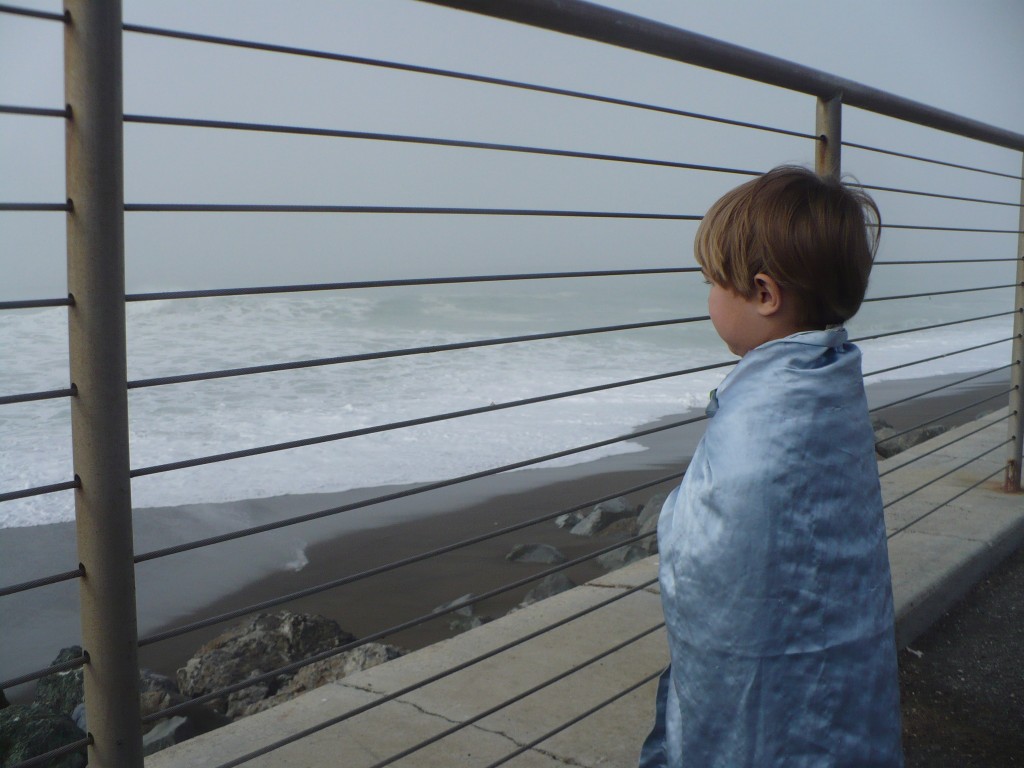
(735, 318)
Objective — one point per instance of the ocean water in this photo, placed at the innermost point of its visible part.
(181, 421)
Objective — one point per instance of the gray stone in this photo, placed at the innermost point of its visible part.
(62, 691)
(327, 671)
(462, 619)
(252, 648)
(29, 730)
(535, 553)
(617, 558)
(886, 445)
(548, 586)
(569, 519)
(651, 510)
(603, 515)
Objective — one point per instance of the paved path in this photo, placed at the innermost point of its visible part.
(963, 681)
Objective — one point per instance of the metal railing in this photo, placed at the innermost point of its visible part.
(99, 383)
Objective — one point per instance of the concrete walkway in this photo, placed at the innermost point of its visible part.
(937, 551)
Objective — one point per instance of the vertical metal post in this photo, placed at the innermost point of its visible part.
(99, 411)
(1013, 460)
(829, 127)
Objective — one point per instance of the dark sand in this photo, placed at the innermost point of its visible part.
(192, 586)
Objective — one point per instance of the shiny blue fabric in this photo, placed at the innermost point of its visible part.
(775, 575)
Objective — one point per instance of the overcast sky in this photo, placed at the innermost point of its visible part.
(962, 56)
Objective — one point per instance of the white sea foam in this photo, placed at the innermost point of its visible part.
(182, 421)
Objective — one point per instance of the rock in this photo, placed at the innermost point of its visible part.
(548, 586)
(535, 553)
(252, 648)
(622, 556)
(651, 510)
(569, 519)
(463, 618)
(28, 730)
(327, 671)
(886, 445)
(623, 528)
(62, 691)
(455, 603)
(601, 516)
(166, 733)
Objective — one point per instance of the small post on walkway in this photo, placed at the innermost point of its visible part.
(99, 410)
(829, 128)
(1013, 460)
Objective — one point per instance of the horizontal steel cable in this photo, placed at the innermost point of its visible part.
(419, 421)
(943, 386)
(42, 582)
(298, 130)
(446, 73)
(47, 757)
(951, 229)
(519, 696)
(394, 565)
(941, 261)
(444, 211)
(949, 472)
(53, 669)
(943, 196)
(955, 411)
(374, 636)
(50, 394)
(35, 303)
(940, 293)
(404, 282)
(298, 736)
(397, 209)
(930, 160)
(940, 356)
(964, 436)
(34, 207)
(39, 490)
(936, 508)
(425, 488)
(15, 10)
(406, 352)
(578, 718)
(946, 324)
(11, 109)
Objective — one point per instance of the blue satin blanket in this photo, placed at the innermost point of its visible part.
(775, 575)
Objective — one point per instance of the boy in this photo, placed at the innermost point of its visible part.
(774, 570)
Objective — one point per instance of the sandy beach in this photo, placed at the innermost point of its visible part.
(191, 586)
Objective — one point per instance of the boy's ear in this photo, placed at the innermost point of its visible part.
(767, 295)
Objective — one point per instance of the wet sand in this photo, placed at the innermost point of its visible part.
(191, 586)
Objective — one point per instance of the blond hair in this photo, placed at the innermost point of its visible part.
(816, 237)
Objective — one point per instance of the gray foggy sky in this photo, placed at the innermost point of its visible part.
(962, 56)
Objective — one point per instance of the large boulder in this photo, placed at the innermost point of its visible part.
(887, 444)
(253, 648)
(62, 691)
(29, 730)
(617, 558)
(461, 618)
(546, 587)
(603, 515)
(327, 671)
(535, 553)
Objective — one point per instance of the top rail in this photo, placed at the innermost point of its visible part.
(605, 25)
